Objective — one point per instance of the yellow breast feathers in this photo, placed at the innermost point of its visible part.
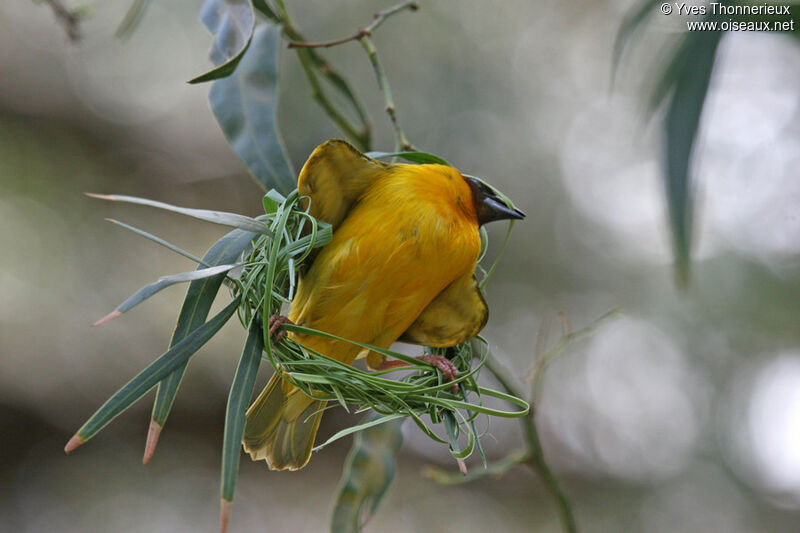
(410, 234)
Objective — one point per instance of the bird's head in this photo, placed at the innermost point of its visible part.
(489, 206)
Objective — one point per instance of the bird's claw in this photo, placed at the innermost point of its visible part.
(275, 324)
(448, 369)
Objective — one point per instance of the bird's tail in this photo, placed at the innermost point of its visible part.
(281, 426)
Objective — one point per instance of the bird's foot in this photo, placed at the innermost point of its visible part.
(449, 370)
(275, 324)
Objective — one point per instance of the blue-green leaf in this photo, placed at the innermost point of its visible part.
(368, 472)
(245, 106)
(193, 313)
(158, 240)
(232, 23)
(155, 371)
(165, 281)
(414, 157)
(238, 400)
(216, 217)
(692, 76)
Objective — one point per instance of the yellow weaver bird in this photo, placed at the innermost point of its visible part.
(400, 266)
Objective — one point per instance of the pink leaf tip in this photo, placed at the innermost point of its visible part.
(224, 514)
(73, 443)
(109, 317)
(152, 440)
(100, 196)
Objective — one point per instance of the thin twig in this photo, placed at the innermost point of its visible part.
(537, 374)
(69, 19)
(539, 465)
(383, 82)
(366, 31)
(535, 455)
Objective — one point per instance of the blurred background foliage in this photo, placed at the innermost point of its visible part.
(684, 415)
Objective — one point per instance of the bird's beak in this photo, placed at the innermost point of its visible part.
(488, 206)
(493, 208)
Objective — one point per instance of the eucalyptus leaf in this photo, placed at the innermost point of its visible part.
(245, 106)
(217, 217)
(195, 309)
(154, 372)
(339, 83)
(681, 123)
(238, 400)
(165, 281)
(684, 83)
(368, 472)
(232, 23)
(158, 240)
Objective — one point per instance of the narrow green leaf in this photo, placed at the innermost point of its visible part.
(369, 471)
(630, 25)
(245, 106)
(340, 84)
(415, 157)
(270, 205)
(372, 422)
(238, 400)
(232, 23)
(158, 240)
(217, 217)
(474, 428)
(680, 133)
(665, 82)
(276, 197)
(149, 290)
(155, 371)
(265, 9)
(132, 19)
(194, 311)
(451, 427)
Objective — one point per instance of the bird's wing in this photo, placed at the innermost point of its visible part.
(334, 178)
(458, 313)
